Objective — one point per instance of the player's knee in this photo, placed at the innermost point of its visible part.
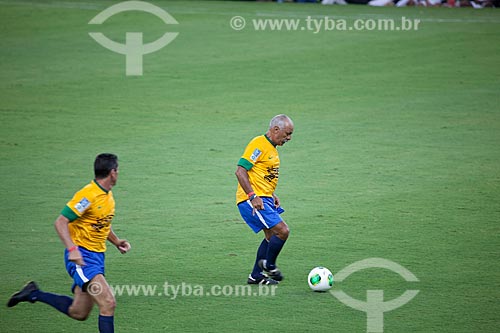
(78, 315)
(283, 232)
(108, 305)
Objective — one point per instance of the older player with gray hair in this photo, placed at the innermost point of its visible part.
(257, 174)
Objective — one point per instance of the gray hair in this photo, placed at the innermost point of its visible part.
(280, 121)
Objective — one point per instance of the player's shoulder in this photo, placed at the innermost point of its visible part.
(90, 191)
(259, 140)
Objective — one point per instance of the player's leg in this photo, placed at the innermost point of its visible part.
(276, 236)
(90, 279)
(82, 305)
(256, 274)
(270, 221)
(280, 230)
(77, 308)
(255, 223)
(276, 231)
(103, 296)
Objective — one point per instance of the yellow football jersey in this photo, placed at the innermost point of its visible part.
(90, 211)
(262, 162)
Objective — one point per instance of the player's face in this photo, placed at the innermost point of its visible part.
(283, 135)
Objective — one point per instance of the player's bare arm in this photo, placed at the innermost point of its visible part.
(242, 176)
(61, 225)
(121, 244)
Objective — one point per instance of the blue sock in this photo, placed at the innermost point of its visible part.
(261, 254)
(273, 250)
(59, 302)
(106, 324)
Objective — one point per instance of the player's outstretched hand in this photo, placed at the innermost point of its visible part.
(123, 246)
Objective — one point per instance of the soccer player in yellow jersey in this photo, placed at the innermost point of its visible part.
(257, 175)
(84, 226)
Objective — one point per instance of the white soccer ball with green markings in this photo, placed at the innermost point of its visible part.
(320, 279)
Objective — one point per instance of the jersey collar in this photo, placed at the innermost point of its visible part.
(270, 141)
(99, 185)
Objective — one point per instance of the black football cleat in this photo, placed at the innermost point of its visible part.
(23, 295)
(274, 273)
(263, 280)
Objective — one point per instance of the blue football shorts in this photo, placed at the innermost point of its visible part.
(262, 219)
(94, 264)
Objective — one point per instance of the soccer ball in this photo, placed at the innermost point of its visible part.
(320, 279)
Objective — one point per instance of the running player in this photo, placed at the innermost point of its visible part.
(84, 226)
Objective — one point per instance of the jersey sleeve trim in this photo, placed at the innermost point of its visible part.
(69, 214)
(245, 164)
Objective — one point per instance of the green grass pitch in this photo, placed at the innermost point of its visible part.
(395, 155)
